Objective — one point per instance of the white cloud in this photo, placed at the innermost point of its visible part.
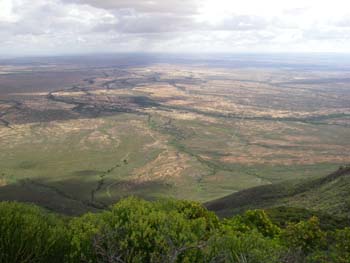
(6, 11)
(70, 26)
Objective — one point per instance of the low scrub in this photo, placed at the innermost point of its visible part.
(135, 230)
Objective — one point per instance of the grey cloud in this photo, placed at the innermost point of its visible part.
(48, 17)
(121, 25)
(140, 23)
(145, 6)
(147, 23)
(142, 17)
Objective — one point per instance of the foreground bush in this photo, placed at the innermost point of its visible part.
(305, 236)
(137, 229)
(134, 230)
(28, 234)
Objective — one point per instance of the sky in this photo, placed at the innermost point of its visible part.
(52, 27)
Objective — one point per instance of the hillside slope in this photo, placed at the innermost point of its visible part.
(330, 194)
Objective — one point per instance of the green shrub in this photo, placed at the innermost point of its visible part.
(250, 247)
(191, 210)
(154, 231)
(253, 219)
(29, 234)
(82, 231)
(341, 246)
(135, 230)
(305, 235)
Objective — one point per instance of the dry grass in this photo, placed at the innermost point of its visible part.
(201, 131)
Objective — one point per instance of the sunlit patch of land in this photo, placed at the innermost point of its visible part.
(80, 139)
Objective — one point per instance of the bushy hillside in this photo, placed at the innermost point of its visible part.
(134, 230)
(329, 194)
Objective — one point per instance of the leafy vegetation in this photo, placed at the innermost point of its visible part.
(135, 230)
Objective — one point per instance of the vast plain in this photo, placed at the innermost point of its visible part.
(77, 135)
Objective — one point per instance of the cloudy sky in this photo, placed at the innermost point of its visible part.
(38, 27)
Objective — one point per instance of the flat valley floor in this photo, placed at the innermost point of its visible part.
(78, 138)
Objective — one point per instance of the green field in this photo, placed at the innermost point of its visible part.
(185, 132)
